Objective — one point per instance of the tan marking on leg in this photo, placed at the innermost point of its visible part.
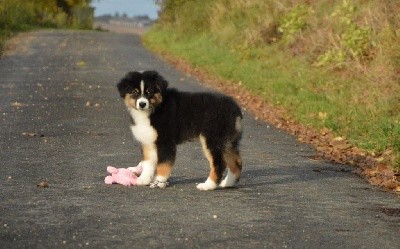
(146, 151)
(206, 151)
(164, 169)
(213, 175)
(233, 162)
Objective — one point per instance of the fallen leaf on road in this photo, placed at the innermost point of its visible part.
(81, 63)
(31, 134)
(88, 104)
(18, 104)
(43, 184)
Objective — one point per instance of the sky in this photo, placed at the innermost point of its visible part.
(130, 7)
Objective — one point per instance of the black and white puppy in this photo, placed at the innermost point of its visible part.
(162, 118)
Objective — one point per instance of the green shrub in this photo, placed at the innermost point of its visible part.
(293, 22)
(16, 15)
(354, 42)
(357, 40)
(334, 57)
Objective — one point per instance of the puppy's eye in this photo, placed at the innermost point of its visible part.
(149, 92)
(135, 92)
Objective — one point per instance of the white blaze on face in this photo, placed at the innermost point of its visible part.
(142, 103)
(142, 88)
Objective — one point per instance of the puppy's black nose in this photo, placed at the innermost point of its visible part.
(142, 104)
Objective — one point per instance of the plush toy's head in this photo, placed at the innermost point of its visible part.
(122, 176)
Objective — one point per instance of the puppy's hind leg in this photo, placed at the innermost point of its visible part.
(234, 165)
(217, 165)
(232, 156)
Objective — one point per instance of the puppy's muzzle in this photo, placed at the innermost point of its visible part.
(142, 104)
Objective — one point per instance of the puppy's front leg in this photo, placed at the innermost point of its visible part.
(149, 163)
(149, 169)
(163, 172)
(135, 168)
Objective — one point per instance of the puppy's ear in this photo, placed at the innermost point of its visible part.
(126, 84)
(161, 83)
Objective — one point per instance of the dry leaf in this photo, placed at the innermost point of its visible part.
(382, 167)
(391, 185)
(338, 139)
(322, 115)
(324, 131)
(31, 134)
(43, 184)
(81, 63)
(18, 104)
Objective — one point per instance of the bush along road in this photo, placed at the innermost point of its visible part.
(62, 123)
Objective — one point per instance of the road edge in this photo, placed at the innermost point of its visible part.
(328, 146)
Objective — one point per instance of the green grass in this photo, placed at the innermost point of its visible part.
(319, 98)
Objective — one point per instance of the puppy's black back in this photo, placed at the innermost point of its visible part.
(186, 115)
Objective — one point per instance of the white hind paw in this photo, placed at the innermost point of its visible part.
(223, 184)
(208, 185)
(229, 180)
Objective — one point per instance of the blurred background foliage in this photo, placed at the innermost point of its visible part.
(331, 63)
(22, 15)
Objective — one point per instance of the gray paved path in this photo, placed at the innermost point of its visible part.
(60, 86)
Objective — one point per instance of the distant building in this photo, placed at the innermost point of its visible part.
(125, 21)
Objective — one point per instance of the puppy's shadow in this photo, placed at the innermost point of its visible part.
(180, 180)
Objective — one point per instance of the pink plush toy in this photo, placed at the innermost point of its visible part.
(123, 176)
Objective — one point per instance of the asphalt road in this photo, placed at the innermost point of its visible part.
(62, 122)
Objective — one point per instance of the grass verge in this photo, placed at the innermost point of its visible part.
(349, 105)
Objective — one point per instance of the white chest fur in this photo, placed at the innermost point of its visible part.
(142, 130)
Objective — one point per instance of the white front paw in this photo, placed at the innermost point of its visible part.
(137, 169)
(143, 180)
(147, 174)
(208, 185)
(158, 184)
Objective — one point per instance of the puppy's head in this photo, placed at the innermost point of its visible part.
(142, 90)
